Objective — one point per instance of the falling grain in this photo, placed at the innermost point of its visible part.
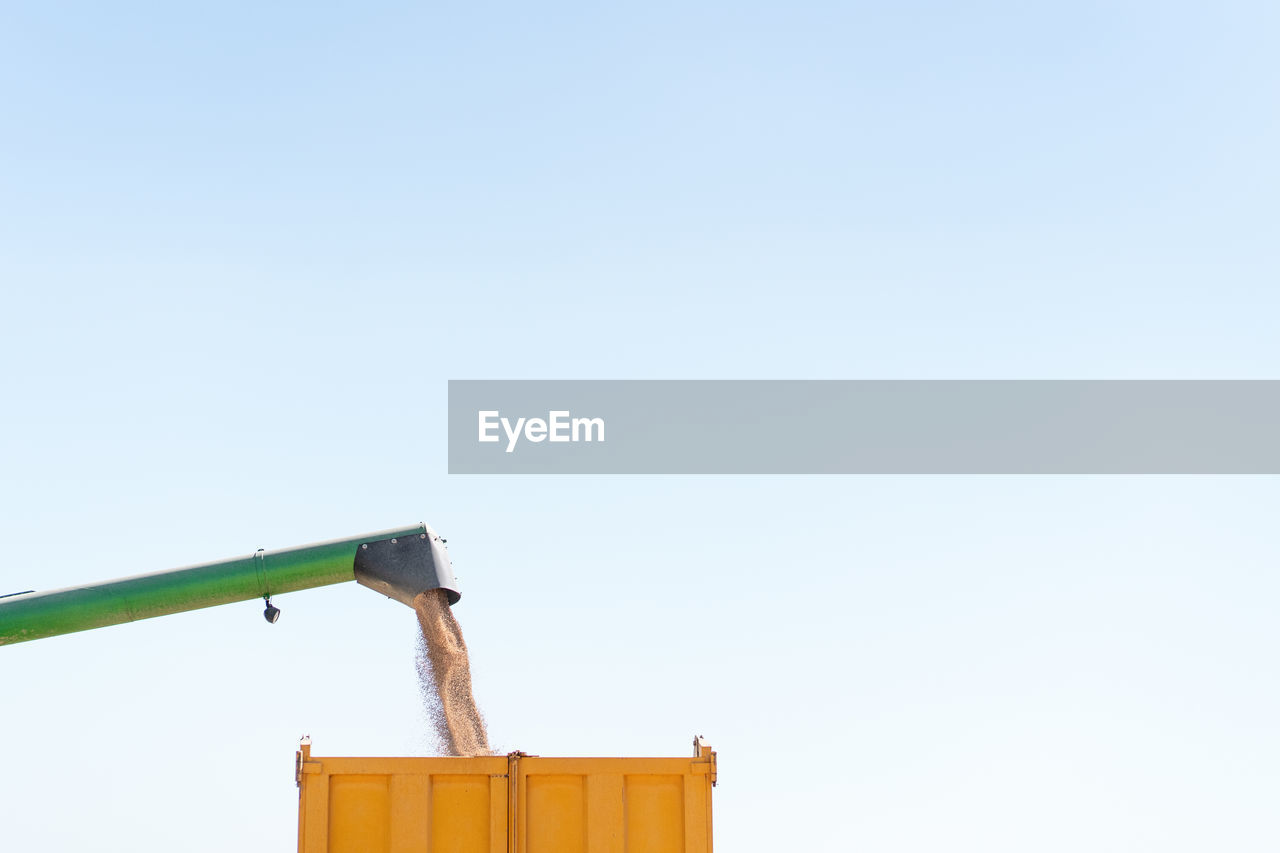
(444, 672)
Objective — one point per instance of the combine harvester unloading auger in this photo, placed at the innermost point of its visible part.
(399, 563)
(470, 801)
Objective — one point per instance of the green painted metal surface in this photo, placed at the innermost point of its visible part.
(34, 615)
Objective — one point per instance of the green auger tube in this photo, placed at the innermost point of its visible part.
(400, 563)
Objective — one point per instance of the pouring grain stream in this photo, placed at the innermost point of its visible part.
(444, 673)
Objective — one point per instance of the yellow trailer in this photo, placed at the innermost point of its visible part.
(514, 803)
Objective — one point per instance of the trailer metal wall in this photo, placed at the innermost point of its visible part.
(505, 804)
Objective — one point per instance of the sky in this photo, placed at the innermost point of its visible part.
(243, 249)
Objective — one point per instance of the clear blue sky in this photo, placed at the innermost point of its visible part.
(242, 250)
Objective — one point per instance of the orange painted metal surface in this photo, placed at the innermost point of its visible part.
(515, 803)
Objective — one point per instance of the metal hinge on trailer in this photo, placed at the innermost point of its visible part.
(303, 763)
(705, 758)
